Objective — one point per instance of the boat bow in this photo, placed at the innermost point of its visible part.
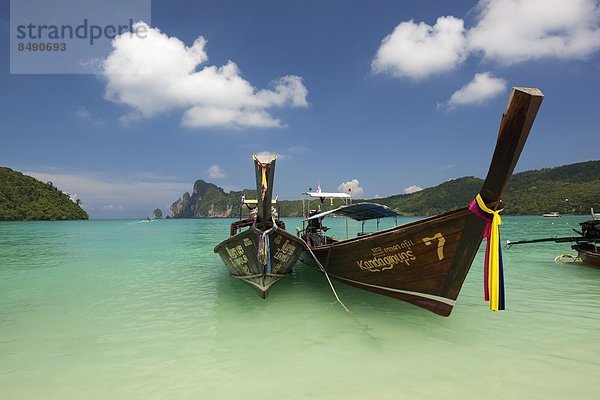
(426, 262)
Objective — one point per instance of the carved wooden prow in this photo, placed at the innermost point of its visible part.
(264, 167)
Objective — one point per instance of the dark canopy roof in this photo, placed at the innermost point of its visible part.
(361, 212)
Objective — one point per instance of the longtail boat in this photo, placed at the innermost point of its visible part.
(259, 250)
(587, 243)
(426, 262)
(588, 253)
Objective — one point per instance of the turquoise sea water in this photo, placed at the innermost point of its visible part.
(133, 310)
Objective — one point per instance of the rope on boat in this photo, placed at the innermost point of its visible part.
(559, 259)
(354, 317)
(264, 247)
(326, 276)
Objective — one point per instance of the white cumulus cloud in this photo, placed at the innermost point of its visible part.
(412, 189)
(483, 87)
(513, 31)
(158, 73)
(352, 187)
(215, 172)
(506, 31)
(419, 50)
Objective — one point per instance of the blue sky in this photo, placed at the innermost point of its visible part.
(317, 83)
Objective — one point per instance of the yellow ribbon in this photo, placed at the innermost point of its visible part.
(494, 254)
(264, 180)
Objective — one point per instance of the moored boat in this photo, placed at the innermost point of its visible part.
(587, 244)
(588, 253)
(553, 214)
(259, 250)
(426, 262)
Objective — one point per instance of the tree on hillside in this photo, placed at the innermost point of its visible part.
(23, 197)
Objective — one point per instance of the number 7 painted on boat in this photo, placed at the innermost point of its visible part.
(441, 242)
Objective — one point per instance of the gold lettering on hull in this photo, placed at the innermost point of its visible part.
(283, 255)
(385, 258)
(440, 247)
(284, 252)
(237, 258)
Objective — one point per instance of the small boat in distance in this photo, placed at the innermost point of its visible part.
(426, 262)
(259, 251)
(553, 214)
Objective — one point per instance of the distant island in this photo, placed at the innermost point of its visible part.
(569, 189)
(209, 201)
(23, 198)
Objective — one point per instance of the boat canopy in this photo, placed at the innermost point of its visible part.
(360, 212)
(330, 195)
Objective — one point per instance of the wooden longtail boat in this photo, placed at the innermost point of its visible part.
(587, 244)
(589, 254)
(425, 262)
(259, 250)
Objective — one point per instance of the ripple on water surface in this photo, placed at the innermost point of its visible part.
(122, 309)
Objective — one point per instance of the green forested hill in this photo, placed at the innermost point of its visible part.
(431, 201)
(209, 201)
(570, 189)
(25, 198)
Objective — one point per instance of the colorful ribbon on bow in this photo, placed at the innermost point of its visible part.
(264, 184)
(264, 250)
(493, 273)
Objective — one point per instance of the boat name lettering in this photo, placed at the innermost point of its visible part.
(247, 242)
(406, 244)
(378, 264)
(284, 253)
(237, 256)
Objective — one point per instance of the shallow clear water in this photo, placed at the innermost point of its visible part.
(126, 310)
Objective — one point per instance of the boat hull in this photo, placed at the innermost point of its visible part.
(240, 254)
(551, 215)
(589, 254)
(424, 262)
